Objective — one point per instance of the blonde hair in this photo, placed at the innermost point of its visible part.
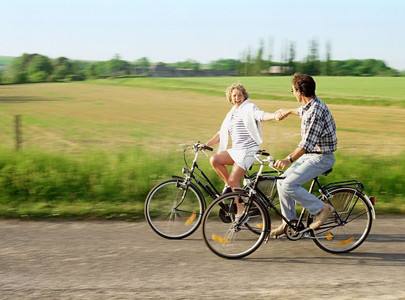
(238, 87)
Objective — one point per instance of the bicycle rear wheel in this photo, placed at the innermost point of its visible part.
(348, 226)
(234, 239)
(174, 209)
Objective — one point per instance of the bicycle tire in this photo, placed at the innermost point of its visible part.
(233, 240)
(168, 215)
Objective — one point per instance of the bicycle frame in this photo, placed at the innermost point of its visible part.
(189, 176)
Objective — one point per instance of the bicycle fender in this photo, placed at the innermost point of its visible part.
(371, 205)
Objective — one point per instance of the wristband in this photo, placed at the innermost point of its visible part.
(290, 158)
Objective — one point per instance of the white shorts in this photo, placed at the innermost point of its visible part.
(244, 158)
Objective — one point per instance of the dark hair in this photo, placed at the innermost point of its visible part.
(304, 84)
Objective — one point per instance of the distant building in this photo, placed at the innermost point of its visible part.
(163, 70)
(277, 70)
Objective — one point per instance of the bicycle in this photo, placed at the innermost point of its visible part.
(345, 230)
(174, 207)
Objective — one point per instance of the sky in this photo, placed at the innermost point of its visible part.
(203, 30)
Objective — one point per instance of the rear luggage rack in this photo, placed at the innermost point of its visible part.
(347, 183)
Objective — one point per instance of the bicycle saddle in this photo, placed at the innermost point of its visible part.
(327, 172)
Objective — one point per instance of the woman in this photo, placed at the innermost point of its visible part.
(242, 124)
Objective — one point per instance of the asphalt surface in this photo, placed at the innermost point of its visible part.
(122, 260)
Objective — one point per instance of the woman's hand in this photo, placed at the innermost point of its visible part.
(281, 114)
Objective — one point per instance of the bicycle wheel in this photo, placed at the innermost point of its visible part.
(234, 239)
(348, 226)
(173, 209)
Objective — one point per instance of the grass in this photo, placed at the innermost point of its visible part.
(379, 91)
(94, 150)
(96, 185)
(77, 210)
(81, 117)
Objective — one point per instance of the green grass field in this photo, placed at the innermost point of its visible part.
(380, 91)
(102, 144)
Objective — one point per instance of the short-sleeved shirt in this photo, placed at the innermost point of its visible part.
(318, 128)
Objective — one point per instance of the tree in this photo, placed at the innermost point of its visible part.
(39, 68)
(291, 59)
(312, 65)
(117, 66)
(225, 65)
(247, 63)
(16, 71)
(62, 68)
(327, 70)
(187, 64)
(143, 62)
(270, 52)
(259, 63)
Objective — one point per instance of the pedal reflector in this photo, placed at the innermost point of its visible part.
(219, 239)
(346, 241)
(329, 236)
(191, 218)
(259, 225)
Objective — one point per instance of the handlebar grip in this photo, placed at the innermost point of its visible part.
(263, 152)
(198, 146)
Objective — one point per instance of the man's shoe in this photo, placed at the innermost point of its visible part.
(275, 233)
(321, 217)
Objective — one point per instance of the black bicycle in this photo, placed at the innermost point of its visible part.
(345, 230)
(174, 207)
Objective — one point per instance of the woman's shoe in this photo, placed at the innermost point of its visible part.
(280, 230)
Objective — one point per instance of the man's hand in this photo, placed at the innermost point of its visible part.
(281, 114)
(282, 164)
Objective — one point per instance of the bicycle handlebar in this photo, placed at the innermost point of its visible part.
(269, 159)
(263, 152)
(198, 147)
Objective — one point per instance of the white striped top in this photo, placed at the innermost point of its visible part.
(241, 139)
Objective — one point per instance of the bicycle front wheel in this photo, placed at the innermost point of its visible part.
(230, 238)
(174, 209)
(348, 226)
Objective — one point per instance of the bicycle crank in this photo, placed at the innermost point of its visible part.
(295, 231)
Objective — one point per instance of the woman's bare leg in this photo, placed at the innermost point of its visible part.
(219, 162)
(234, 180)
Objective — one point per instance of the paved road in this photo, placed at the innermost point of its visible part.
(120, 260)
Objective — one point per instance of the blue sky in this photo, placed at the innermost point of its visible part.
(203, 30)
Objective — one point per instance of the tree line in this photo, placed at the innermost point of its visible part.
(40, 68)
(255, 63)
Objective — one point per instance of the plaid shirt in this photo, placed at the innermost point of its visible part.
(318, 129)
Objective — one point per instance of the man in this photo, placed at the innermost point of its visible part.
(313, 156)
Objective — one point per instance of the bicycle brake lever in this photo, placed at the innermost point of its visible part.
(204, 152)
